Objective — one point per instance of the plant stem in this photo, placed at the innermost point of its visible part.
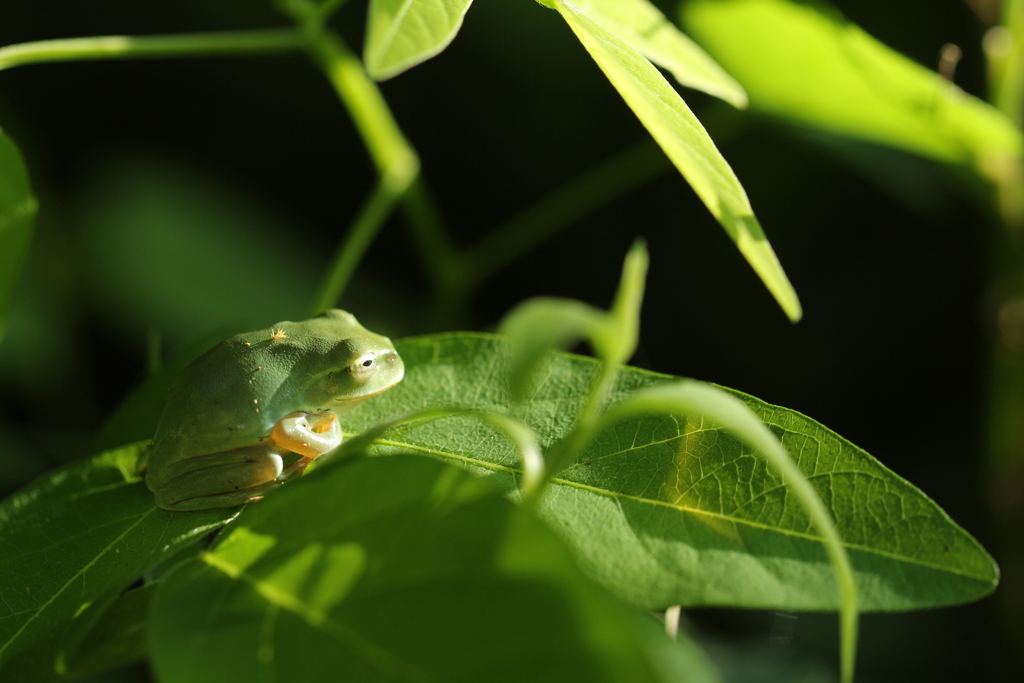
(581, 196)
(440, 256)
(390, 151)
(1005, 439)
(133, 47)
(396, 162)
(1005, 50)
(687, 397)
(582, 432)
(395, 159)
(351, 250)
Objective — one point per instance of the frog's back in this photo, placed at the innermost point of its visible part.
(233, 395)
(227, 398)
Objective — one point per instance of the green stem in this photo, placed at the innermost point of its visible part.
(833, 542)
(446, 266)
(133, 47)
(509, 242)
(351, 250)
(521, 436)
(1005, 51)
(695, 398)
(582, 432)
(390, 151)
(395, 159)
(580, 197)
(393, 156)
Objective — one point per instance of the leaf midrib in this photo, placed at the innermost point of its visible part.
(396, 24)
(695, 511)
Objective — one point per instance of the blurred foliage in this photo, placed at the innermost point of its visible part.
(162, 182)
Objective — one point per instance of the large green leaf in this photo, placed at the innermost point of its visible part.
(399, 569)
(662, 509)
(402, 33)
(811, 66)
(674, 127)
(643, 26)
(672, 510)
(72, 539)
(17, 211)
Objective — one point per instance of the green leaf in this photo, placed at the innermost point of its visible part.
(643, 26)
(673, 510)
(811, 66)
(539, 325)
(543, 324)
(75, 537)
(17, 213)
(617, 341)
(674, 127)
(398, 569)
(402, 33)
(727, 412)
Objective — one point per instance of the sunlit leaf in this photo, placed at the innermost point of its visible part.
(807, 64)
(621, 332)
(77, 536)
(539, 325)
(723, 411)
(399, 569)
(672, 510)
(661, 509)
(17, 212)
(402, 33)
(643, 26)
(671, 123)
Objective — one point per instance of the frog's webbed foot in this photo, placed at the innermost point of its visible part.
(308, 434)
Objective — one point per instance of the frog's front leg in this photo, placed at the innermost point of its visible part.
(308, 434)
(221, 479)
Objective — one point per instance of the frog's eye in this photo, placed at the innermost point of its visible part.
(364, 367)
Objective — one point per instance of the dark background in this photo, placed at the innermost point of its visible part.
(184, 196)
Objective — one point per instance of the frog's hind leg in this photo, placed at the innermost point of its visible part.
(219, 500)
(231, 478)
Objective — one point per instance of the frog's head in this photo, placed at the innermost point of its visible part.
(359, 363)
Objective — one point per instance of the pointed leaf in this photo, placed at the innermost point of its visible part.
(543, 324)
(671, 510)
(671, 123)
(811, 66)
(398, 569)
(75, 537)
(17, 213)
(724, 411)
(402, 33)
(643, 26)
(539, 325)
(621, 332)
